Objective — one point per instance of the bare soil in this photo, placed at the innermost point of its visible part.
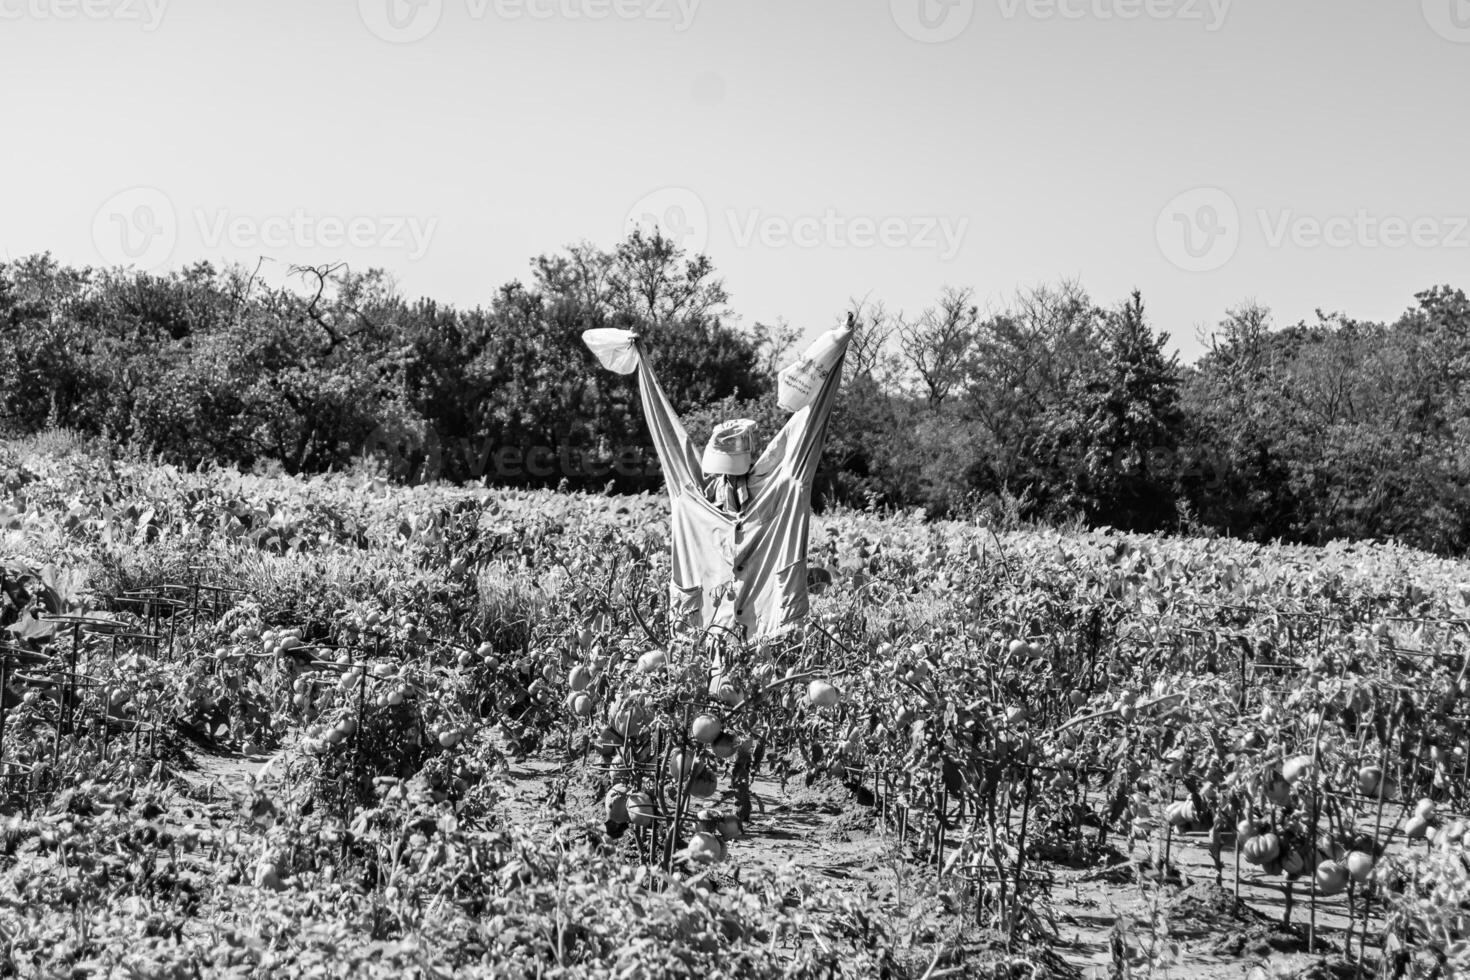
(1100, 913)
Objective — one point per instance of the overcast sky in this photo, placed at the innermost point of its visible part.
(1306, 153)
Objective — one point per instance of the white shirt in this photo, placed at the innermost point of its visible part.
(744, 572)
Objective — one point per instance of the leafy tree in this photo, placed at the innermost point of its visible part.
(1051, 407)
(1336, 429)
(1235, 475)
(1026, 364)
(1117, 439)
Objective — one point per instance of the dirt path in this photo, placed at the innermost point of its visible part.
(825, 832)
(225, 773)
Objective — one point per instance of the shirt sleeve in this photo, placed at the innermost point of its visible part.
(675, 453)
(804, 446)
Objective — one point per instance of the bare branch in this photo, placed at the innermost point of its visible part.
(872, 329)
(938, 345)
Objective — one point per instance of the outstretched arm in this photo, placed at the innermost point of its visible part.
(811, 422)
(675, 453)
(799, 443)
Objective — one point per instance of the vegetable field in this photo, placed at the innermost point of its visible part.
(258, 725)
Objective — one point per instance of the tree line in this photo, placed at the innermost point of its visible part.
(1052, 408)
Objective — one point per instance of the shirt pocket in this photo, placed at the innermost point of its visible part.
(686, 604)
(791, 584)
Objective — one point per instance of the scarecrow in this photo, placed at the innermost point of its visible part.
(740, 522)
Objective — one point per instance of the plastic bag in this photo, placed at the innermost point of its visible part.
(798, 384)
(614, 348)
